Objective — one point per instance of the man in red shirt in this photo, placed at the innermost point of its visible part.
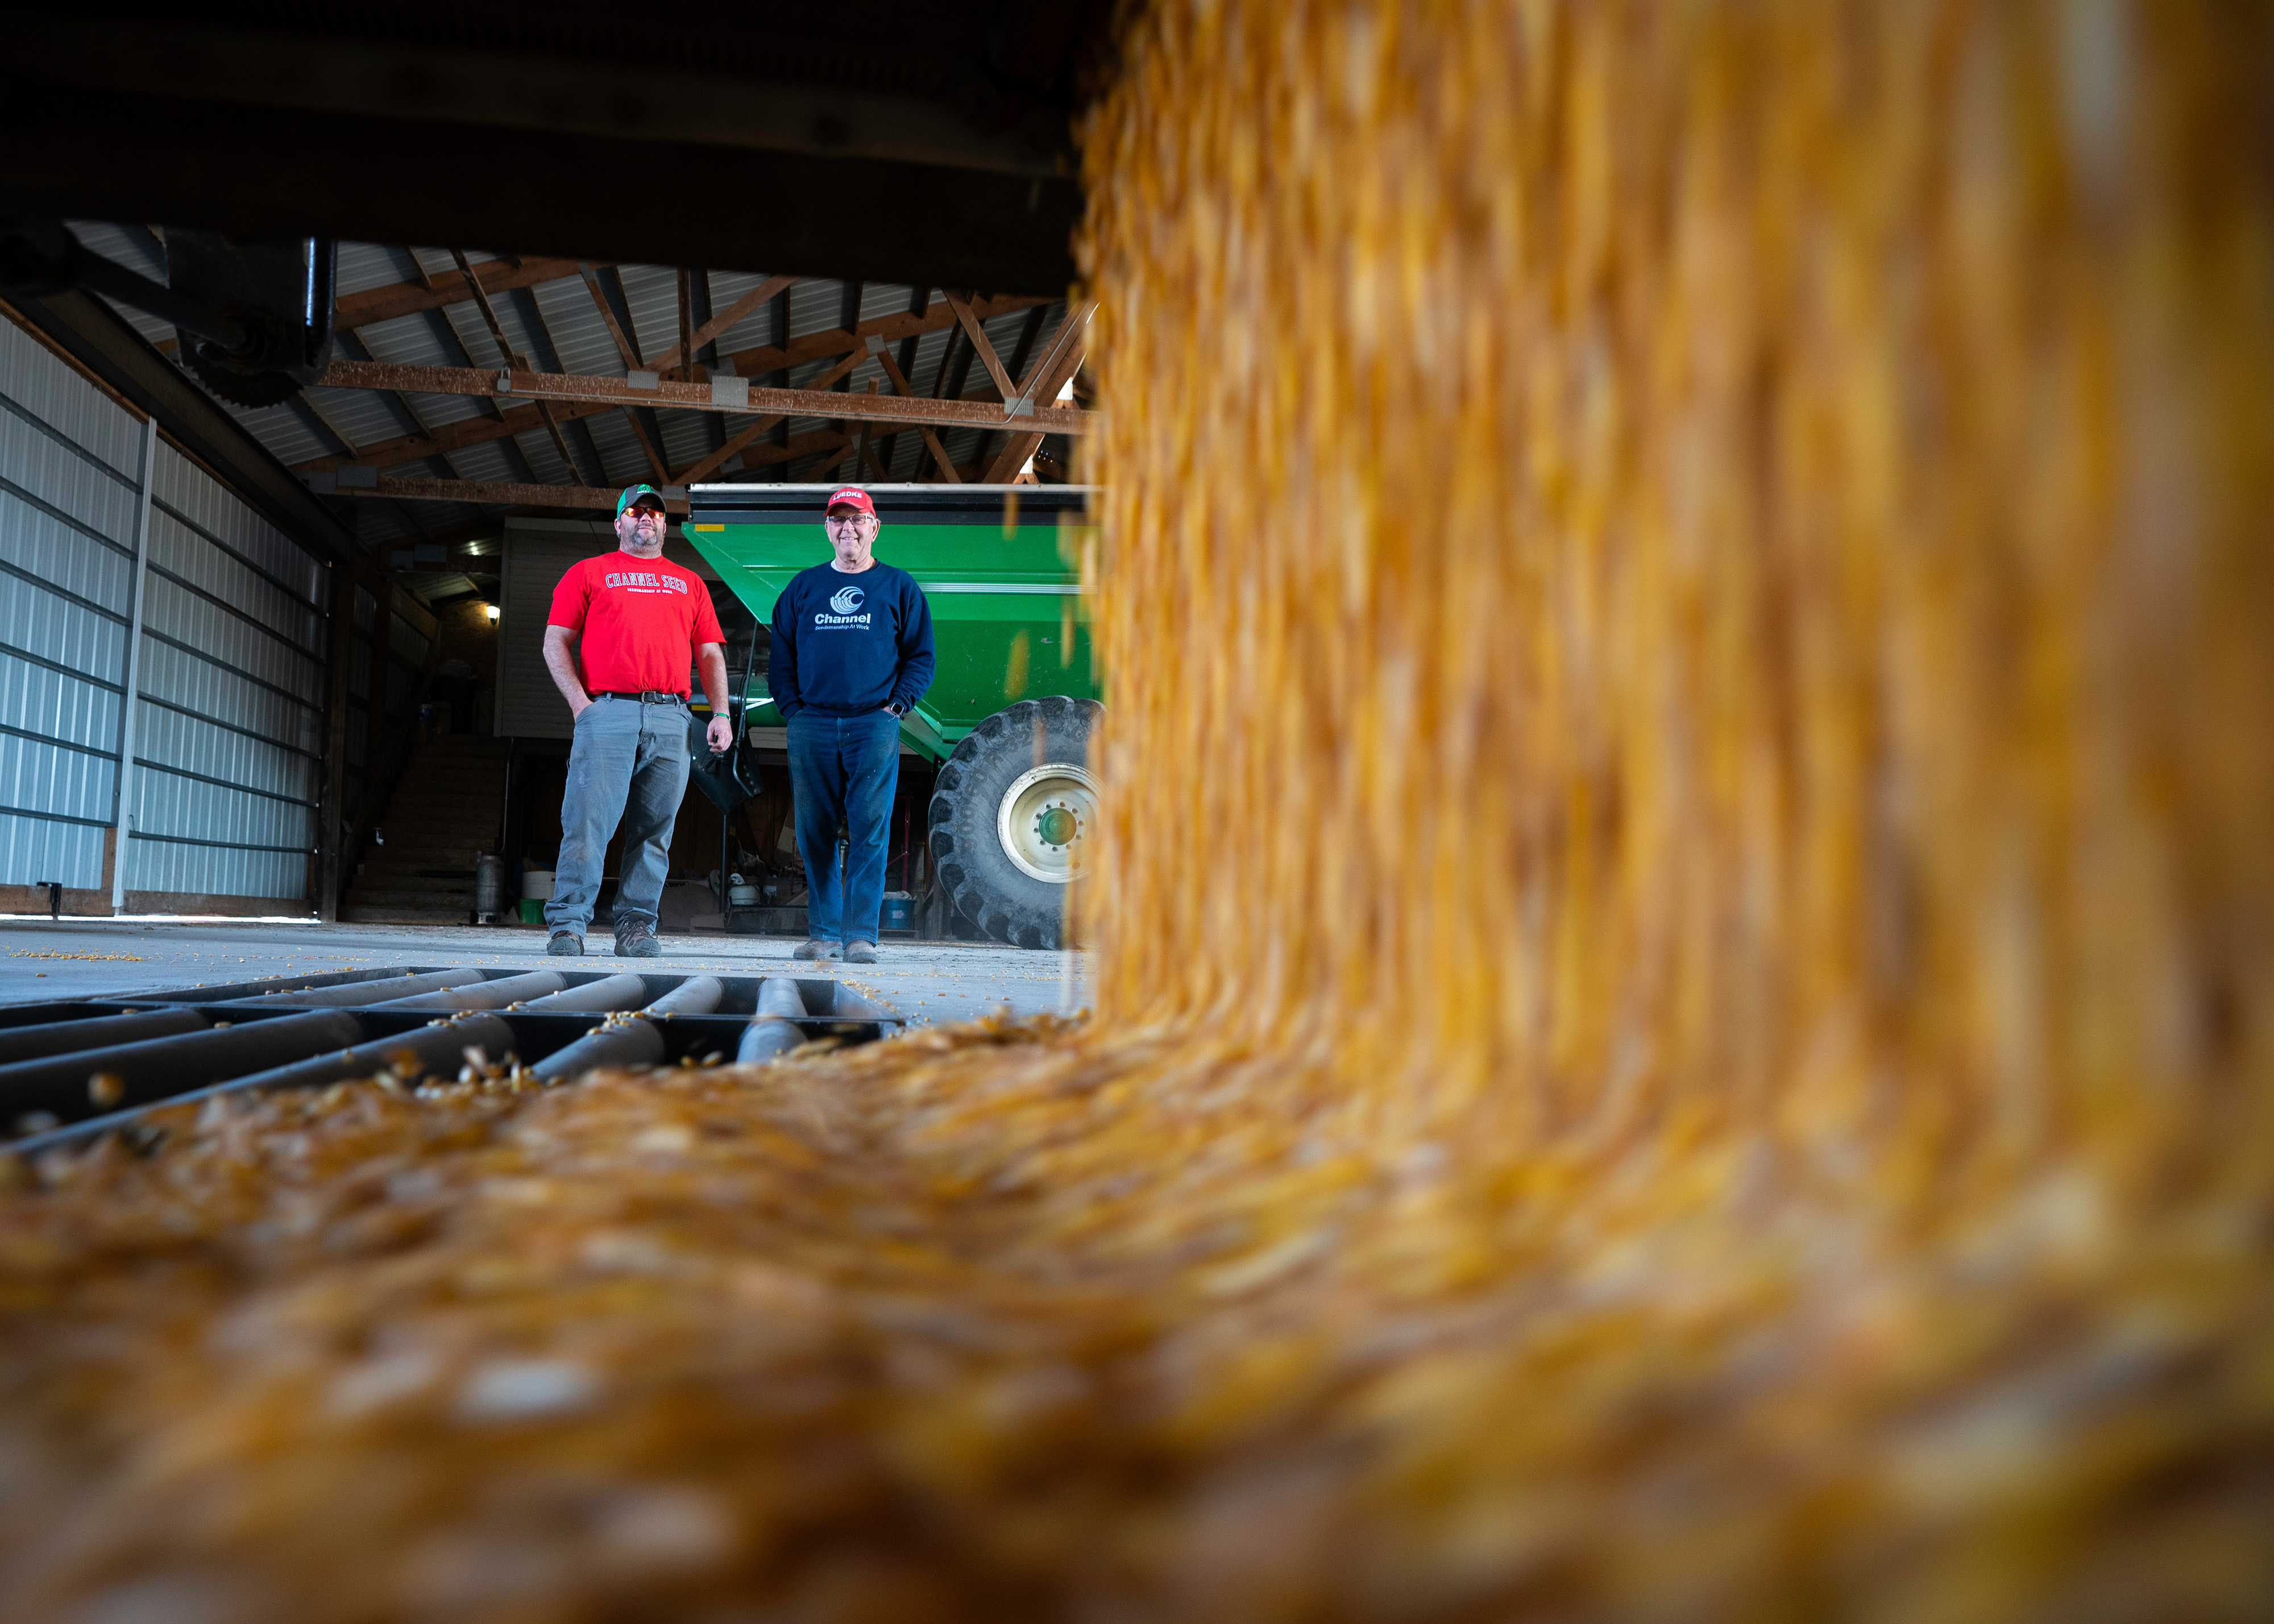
(643, 621)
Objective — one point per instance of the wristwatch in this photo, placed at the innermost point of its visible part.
(894, 712)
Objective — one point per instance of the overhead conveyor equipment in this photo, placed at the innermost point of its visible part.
(73, 1071)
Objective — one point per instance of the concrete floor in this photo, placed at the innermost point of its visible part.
(927, 981)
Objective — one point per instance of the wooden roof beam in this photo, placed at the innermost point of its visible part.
(505, 494)
(684, 349)
(654, 456)
(977, 334)
(508, 493)
(821, 346)
(931, 440)
(450, 437)
(1051, 372)
(533, 317)
(625, 345)
(717, 460)
(494, 384)
(408, 298)
(506, 354)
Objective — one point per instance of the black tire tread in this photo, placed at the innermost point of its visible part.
(985, 887)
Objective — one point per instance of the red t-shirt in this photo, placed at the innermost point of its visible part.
(640, 619)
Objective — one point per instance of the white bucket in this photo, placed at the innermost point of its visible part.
(536, 884)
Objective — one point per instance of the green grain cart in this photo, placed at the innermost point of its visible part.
(1009, 713)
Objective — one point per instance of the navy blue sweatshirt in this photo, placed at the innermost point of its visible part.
(844, 645)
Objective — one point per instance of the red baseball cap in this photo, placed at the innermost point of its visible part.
(851, 496)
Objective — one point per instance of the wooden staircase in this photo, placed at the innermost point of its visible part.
(441, 815)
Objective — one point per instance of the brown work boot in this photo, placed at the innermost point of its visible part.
(860, 952)
(816, 949)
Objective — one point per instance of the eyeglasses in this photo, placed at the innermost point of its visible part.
(850, 518)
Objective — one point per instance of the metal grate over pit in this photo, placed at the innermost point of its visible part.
(72, 1070)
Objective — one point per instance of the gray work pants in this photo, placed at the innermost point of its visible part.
(629, 764)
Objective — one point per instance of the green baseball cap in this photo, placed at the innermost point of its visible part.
(633, 492)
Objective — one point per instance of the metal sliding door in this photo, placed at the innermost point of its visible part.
(127, 570)
(227, 767)
(71, 501)
(536, 556)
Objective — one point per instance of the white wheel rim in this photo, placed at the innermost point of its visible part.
(1047, 819)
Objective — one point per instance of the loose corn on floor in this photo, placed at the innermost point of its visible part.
(1687, 943)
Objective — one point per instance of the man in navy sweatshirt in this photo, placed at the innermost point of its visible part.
(852, 655)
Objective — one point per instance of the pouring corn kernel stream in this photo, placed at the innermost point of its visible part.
(1721, 552)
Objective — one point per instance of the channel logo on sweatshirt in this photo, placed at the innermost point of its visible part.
(843, 604)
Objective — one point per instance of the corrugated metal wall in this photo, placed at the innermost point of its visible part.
(223, 747)
(229, 767)
(69, 495)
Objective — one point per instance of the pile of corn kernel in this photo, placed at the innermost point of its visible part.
(1686, 1013)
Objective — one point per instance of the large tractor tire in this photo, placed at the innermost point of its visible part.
(1014, 817)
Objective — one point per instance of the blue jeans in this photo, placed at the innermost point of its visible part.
(624, 752)
(844, 770)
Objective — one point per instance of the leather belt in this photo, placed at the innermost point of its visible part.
(646, 697)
